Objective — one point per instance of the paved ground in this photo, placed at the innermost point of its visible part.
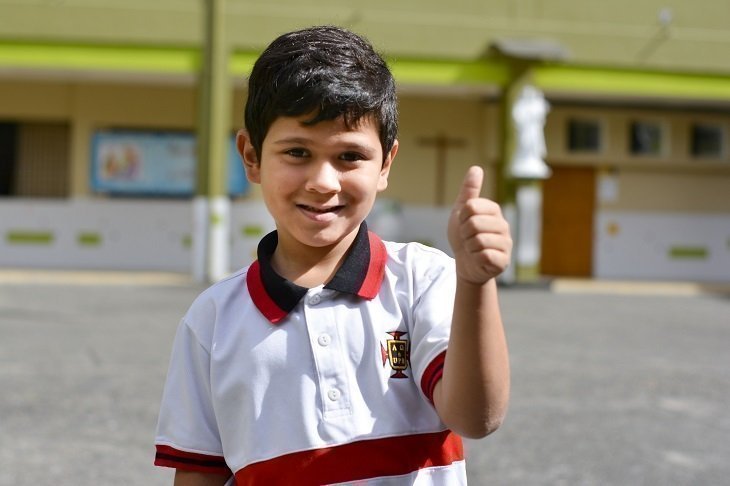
(608, 388)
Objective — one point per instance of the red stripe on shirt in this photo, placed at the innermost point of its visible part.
(261, 298)
(376, 268)
(391, 456)
(432, 375)
(190, 461)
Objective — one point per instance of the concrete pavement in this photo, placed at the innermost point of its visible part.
(609, 387)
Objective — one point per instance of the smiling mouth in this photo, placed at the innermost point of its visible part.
(332, 209)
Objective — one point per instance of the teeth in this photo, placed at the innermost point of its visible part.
(316, 210)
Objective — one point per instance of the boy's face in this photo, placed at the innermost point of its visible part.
(319, 181)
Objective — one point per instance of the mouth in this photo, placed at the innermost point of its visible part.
(320, 214)
(316, 210)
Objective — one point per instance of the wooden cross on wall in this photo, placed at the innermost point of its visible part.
(442, 144)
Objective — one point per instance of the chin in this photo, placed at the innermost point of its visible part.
(326, 238)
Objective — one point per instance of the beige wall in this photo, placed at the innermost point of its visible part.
(623, 33)
(674, 181)
(472, 123)
(87, 107)
(90, 106)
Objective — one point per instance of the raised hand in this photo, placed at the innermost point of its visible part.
(478, 233)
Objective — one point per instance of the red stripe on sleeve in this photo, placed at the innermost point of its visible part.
(260, 297)
(432, 375)
(391, 456)
(376, 268)
(190, 461)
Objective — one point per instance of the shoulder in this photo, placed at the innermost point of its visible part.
(210, 304)
(417, 259)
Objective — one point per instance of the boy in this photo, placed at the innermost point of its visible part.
(325, 361)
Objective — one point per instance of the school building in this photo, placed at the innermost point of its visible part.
(100, 105)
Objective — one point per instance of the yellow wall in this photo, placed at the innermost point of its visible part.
(473, 122)
(620, 33)
(88, 107)
(91, 106)
(673, 181)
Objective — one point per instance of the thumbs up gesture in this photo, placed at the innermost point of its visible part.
(478, 233)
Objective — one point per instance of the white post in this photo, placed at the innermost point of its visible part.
(219, 253)
(199, 239)
(509, 276)
(529, 226)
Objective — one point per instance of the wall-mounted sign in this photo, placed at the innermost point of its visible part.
(153, 164)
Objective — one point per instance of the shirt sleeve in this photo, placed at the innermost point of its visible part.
(432, 310)
(187, 431)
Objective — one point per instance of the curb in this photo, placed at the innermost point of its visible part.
(91, 277)
(628, 287)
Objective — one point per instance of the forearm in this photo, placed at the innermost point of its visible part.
(191, 478)
(473, 394)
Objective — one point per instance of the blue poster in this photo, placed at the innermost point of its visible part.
(153, 164)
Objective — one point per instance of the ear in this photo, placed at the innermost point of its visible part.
(385, 169)
(248, 155)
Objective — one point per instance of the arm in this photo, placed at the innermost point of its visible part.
(472, 396)
(191, 478)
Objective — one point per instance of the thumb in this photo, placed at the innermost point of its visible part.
(471, 185)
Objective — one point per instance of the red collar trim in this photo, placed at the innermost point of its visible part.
(376, 268)
(361, 274)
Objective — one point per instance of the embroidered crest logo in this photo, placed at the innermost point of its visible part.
(396, 351)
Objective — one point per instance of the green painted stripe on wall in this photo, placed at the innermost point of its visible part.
(623, 82)
(429, 72)
(446, 73)
(23, 237)
(688, 253)
(252, 231)
(187, 60)
(108, 58)
(410, 71)
(89, 239)
(241, 63)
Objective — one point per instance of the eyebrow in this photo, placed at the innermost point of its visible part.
(347, 146)
(291, 140)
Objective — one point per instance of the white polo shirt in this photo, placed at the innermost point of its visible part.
(278, 384)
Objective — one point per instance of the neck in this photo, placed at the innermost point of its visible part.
(309, 266)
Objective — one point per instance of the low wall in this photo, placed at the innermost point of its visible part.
(156, 235)
(658, 245)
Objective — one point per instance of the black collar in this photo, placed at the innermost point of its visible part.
(361, 274)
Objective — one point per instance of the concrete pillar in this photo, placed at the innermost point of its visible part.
(211, 206)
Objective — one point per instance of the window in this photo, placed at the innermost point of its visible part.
(645, 138)
(8, 157)
(584, 135)
(42, 160)
(706, 140)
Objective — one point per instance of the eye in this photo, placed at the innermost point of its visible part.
(297, 152)
(351, 156)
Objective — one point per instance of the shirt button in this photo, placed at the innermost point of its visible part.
(315, 299)
(333, 394)
(324, 339)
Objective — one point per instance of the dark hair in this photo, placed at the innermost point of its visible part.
(326, 71)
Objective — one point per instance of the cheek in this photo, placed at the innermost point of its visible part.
(277, 183)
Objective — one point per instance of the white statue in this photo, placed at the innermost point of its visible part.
(529, 112)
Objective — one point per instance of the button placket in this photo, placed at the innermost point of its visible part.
(328, 355)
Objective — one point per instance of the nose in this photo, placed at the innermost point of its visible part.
(323, 177)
